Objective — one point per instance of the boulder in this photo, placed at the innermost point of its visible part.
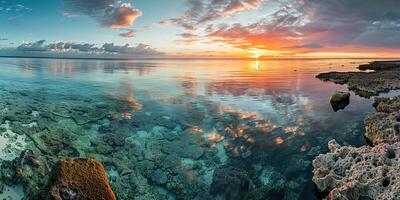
(230, 182)
(347, 173)
(340, 100)
(79, 178)
(338, 97)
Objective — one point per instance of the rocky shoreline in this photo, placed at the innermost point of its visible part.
(381, 77)
(366, 172)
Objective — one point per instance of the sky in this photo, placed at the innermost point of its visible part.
(200, 28)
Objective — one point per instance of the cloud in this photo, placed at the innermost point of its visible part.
(139, 50)
(36, 46)
(314, 24)
(306, 46)
(121, 17)
(86, 50)
(201, 12)
(108, 13)
(129, 34)
(187, 35)
(188, 38)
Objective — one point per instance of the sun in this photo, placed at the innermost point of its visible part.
(256, 52)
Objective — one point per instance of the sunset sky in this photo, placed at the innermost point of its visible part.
(201, 28)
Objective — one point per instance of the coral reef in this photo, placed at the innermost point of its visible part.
(230, 182)
(78, 178)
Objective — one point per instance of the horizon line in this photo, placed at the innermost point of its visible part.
(199, 58)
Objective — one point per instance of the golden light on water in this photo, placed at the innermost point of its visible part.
(279, 140)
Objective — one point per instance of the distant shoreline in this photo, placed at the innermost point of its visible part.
(200, 58)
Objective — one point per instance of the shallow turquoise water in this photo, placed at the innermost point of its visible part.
(171, 123)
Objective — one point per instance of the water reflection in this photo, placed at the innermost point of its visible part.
(184, 119)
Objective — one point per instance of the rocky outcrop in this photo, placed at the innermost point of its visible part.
(385, 77)
(359, 173)
(230, 182)
(367, 172)
(384, 125)
(78, 178)
(380, 65)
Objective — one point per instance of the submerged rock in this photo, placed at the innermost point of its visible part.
(29, 169)
(78, 178)
(230, 182)
(340, 100)
(347, 173)
(159, 177)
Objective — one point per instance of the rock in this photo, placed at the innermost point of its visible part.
(347, 173)
(384, 125)
(340, 100)
(79, 178)
(159, 177)
(366, 84)
(29, 169)
(114, 140)
(230, 182)
(339, 97)
(380, 65)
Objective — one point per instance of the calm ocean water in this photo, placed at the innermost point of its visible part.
(173, 122)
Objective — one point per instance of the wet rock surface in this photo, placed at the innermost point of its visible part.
(357, 173)
(339, 96)
(384, 77)
(77, 178)
(340, 100)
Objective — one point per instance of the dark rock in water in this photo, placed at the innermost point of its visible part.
(166, 122)
(78, 178)
(339, 97)
(267, 193)
(380, 65)
(159, 177)
(340, 106)
(230, 182)
(114, 140)
(340, 100)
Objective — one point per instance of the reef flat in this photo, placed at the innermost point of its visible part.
(366, 172)
(176, 153)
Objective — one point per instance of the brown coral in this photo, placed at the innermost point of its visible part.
(78, 178)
